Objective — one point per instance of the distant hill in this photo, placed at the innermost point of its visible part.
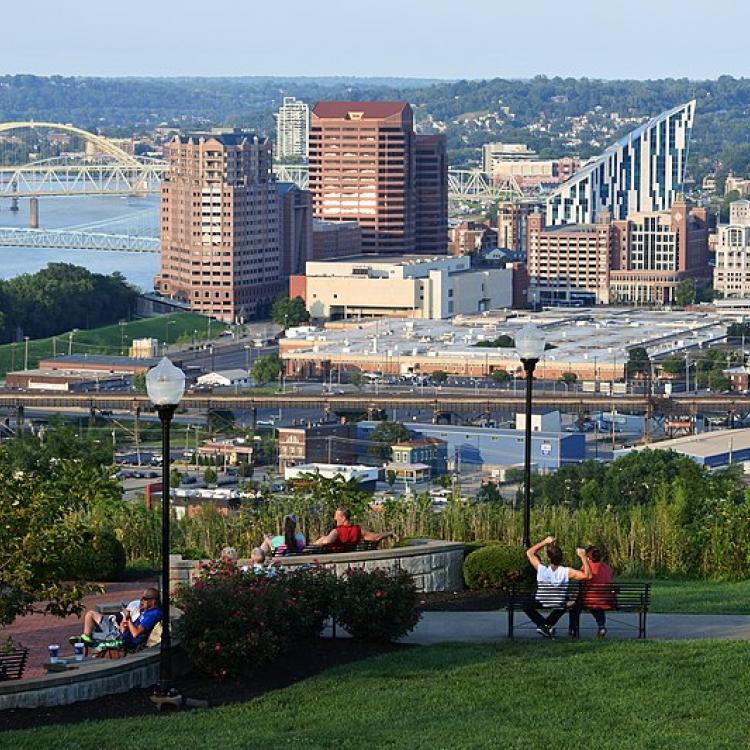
(555, 116)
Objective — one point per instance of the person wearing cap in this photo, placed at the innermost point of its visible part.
(290, 540)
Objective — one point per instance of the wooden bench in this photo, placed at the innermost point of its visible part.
(13, 663)
(632, 597)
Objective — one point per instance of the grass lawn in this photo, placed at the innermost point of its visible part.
(109, 339)
(513, 695)
(701, 597)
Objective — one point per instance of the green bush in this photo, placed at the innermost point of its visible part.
(470, 547)
(377, 605)
(497, 566)
(101, 558)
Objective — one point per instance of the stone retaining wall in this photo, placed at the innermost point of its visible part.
(435, 565)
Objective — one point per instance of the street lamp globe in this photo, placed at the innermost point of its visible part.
(530, 343)
(165, 384)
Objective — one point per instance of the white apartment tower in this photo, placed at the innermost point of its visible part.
(732, 270)
(642, 173)
(292, 129)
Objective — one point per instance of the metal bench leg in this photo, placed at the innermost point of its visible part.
(642, 625)
(510, 622)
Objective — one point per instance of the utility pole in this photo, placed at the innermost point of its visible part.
(136, 433)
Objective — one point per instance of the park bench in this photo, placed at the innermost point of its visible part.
(321, 549)
(631, 597)
(13, 663)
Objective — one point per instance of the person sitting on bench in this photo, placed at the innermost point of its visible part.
(122, 631)
(347, 535)
(552, 584)
(596, 600)
(290, 541)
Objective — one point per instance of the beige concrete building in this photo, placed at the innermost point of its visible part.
(220, 233)
(405, 286)
(732, 270)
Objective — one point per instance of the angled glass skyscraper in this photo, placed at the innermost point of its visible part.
(642, 172)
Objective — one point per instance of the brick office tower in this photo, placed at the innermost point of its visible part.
(432, 195)
(363, 168)
(220, 225)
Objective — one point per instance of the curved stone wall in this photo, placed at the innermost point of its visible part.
(435, 565)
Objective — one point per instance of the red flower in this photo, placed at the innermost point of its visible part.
(378, 594)
(217, 647)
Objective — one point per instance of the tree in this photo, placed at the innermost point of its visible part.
(569, 378)
(489, 493)
(355, 378)
(638, 363)
(266, 369)
(717, 381)
(501, 376)
(210, 476)
(139, 382)
(289, 312)
(384, 436)
(439, 376)
(390, 477)
(175, 478)
(737, 332)
(673, 365)
(684, 293)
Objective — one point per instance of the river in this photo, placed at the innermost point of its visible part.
(55, 213)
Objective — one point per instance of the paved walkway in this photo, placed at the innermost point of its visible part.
(36, 632)
(441, 627)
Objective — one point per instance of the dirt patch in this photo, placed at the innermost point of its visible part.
(308, 660)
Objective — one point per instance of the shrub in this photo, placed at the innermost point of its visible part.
(377, 605)
(470, 547)
(497, 566)
(101, 558)
(311, 591)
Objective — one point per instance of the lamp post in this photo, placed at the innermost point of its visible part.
(165, 385)
(530, 347)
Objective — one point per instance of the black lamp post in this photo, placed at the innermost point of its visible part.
(165, 385)
(530, 347)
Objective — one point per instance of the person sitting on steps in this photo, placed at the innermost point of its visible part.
(552, 584)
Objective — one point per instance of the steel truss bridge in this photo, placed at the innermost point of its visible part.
(68, 239)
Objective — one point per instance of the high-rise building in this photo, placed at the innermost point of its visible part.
(641, 173)
(732, 270)
(220, 242)
(367, 165)
(296, 228)
(656, 251)
(431, 195)
(292, 130)
(512, 223)
(568, 265)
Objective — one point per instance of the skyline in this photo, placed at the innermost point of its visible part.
(417, 40)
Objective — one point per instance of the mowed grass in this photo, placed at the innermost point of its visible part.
(108, 339)
(701, 597)
(537, 694)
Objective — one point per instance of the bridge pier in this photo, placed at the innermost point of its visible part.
(33, 213)
(14, 204)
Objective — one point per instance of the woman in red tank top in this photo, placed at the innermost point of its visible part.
(596, 596)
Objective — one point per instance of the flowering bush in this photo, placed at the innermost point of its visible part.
(377, 605)
(236, 621)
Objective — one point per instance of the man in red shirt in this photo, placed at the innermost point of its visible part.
(348, 535)
(596, 596)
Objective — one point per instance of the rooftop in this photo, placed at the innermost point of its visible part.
(369, 110)
(706, 444)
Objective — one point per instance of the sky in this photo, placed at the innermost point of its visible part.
(404, 38)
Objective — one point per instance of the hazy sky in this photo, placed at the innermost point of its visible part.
(415, 38)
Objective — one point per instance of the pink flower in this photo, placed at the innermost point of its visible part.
(378, 594)
(217, 647)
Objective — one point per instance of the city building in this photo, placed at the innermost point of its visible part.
(101, 363)
(296, 228)
(407, 286)
(431, 190)
(732, 269)
(568, 265)
(488, 447)
(366, 164)
(642, 173)
(513, 221)
(144, 349)
(230, 451)
(470, 237)
(367, 475)
(225, 378)
(739, 184)
(292, 130)
(655, 252)
(335, 239)
(516, 160)
(431, 452)
(220, 225)
(639, 260)
(67, 380)
(333, 443)
(593, 343)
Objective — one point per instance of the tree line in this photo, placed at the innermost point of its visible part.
(59, 298)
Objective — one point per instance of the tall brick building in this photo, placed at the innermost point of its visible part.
(367, 165)
(220, 225)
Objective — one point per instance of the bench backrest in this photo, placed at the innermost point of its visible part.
(320, 549)
(13, 664)
(622, 596)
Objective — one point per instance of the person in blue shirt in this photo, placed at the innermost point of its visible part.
(122, 631)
